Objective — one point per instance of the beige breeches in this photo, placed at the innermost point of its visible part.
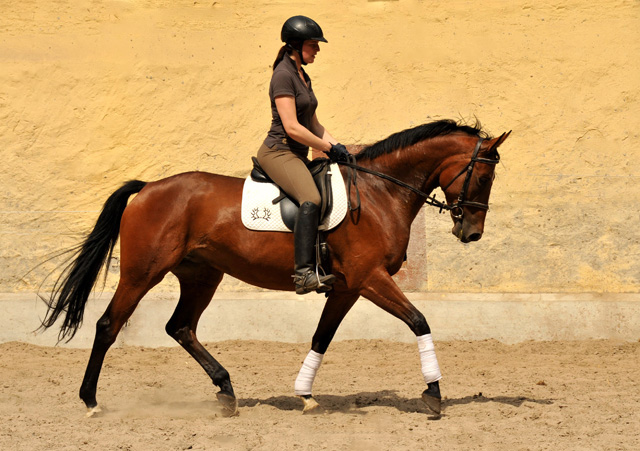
(290, 173)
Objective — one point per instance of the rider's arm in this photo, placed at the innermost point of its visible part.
(318, 130)
(286, 106)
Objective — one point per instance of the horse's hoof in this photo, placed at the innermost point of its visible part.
(310, 404)
(434, 404)
(94, 411)
(229, 404)
(431, 397)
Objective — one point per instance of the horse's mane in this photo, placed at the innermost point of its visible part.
(414, 135)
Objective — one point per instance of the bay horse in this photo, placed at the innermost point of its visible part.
(190, 224)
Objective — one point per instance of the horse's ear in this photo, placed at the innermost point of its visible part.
(495, 143)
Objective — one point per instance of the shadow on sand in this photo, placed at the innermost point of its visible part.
(515, 401)
(356, 403)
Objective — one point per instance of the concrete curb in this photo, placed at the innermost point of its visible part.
(285, 317)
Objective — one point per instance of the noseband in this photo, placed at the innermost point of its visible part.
(456, 209)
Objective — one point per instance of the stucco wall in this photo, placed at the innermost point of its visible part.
(96, 93)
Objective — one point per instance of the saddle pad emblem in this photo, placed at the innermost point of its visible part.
(259, 212)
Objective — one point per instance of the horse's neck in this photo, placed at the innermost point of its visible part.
(418, 166)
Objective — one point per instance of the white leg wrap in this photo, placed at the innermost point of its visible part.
(430, 368)
(307, 373)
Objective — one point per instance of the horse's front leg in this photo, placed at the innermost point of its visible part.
(333, 313)
(383, 291)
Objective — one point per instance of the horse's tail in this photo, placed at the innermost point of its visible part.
(72, 289)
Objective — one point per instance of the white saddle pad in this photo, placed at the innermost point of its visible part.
(259, 213)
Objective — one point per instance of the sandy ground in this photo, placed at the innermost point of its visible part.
(535, 395)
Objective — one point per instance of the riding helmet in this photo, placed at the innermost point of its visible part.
(299, 29)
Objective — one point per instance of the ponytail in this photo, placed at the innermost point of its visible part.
(281, 54)
(291, 46)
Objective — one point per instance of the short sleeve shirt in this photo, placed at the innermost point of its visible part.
(286, 82)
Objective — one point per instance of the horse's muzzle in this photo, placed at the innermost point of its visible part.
(472, 237)
(466, 236)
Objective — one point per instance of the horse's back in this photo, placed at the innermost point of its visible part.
(181, 189)
(196, 181)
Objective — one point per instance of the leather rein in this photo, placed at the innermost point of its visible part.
(456, 209)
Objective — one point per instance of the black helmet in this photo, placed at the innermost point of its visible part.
(301, 28)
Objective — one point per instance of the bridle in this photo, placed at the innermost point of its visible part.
(456, 209)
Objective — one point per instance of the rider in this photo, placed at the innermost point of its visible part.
(295, 127)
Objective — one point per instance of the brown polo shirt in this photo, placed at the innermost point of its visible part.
(286, 82)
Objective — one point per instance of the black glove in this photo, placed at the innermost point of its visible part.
(338, 152)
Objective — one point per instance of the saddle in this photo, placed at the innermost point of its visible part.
(320, 171)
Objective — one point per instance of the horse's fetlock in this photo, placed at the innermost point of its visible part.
(222, 379)
(88, 397)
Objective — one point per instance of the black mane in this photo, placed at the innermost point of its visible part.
(414, 135)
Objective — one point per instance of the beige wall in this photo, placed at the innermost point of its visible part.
(96, 93)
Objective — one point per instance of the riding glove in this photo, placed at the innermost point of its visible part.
(338, 152)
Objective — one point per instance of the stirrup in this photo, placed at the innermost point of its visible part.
(313, 281)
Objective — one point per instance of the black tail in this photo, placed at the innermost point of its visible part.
(72, 289)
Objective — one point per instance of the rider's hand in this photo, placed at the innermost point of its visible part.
(338, 152)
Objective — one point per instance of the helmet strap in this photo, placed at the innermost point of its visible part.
(298, 48)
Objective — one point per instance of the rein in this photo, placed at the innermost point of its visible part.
(456, 208)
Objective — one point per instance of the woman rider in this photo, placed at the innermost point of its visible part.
(295, 128)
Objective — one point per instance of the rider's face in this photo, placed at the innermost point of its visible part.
(309, 50)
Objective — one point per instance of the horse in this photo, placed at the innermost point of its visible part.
(189, 224)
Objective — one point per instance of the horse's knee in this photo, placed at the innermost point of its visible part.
(418, 324)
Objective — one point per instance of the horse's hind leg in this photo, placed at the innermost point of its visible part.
(120, 308)
(196, 291)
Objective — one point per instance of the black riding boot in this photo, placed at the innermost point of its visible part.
(304, 236)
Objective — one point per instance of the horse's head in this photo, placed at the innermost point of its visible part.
(467, 183)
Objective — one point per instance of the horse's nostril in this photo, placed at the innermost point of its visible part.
(474, 236)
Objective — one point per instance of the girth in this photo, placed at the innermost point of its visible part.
(319, 170)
